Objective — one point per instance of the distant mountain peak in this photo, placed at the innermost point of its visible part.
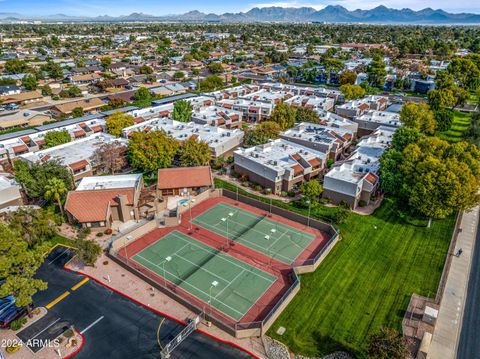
(331, 14)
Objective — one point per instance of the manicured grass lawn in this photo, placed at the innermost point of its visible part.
(58, 239)
(365, 282)
(461, 122)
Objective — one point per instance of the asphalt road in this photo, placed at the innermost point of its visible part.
(116, 327)
(469, 345)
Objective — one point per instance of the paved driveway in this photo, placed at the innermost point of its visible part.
(112, 325)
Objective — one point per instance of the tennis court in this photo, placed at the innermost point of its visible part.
(275, 239)
(231, 286)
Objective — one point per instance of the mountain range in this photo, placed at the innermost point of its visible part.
(329, 14)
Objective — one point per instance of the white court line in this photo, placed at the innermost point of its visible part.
(40, 332)
(191, 285)
(91, 325)
(224, 257)
(242, 239)
(228, 285)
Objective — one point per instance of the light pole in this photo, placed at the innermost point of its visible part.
(270, 206)
(214, 284)
(308, 218)
(167, 259)
(127, 238)
(190, 213)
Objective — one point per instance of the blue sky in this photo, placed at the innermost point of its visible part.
(163, 7)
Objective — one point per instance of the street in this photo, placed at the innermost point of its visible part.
(469, 344)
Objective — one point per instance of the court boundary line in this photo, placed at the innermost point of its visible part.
(287, 229)
(201, 291)
(233, 280)
(225, 257)
(203, 224)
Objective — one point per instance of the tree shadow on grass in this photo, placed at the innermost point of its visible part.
(327, 345)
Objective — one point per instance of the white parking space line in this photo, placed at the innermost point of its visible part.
(91, 325)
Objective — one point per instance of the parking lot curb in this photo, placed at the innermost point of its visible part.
(71, 355)
(161, 313)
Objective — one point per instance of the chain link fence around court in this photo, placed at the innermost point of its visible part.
(238, 329)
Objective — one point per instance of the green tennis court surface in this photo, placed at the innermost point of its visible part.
(233, 286)
(275, 239)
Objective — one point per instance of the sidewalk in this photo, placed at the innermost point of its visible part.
(449, 322)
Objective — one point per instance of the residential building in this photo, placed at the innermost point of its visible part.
(100, 201)
(372, 119)
(217, 116)
(23, 98)
(355, 181)
(221, 141)
(328, 140)
(280, 165)
(76, 156)
(253, 111)
(22, 118)
(91, 105)
(182, 180)
(9, 193)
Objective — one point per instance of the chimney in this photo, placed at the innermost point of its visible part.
(123, 210)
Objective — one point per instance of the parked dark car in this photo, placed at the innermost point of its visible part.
(9, 311)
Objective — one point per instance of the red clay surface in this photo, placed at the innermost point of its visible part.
(282, 271)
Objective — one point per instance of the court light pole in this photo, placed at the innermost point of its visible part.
(127, 238)
(214, 284)
(190, 212)
(167, 259)
(308, 218)
(225, 220)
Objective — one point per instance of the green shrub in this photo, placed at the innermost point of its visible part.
(291, 193)
(18, 323)
(258, 187)
(99, 234)
(68, 333)
(362, 203)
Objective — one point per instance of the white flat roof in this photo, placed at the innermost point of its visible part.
(108, 182)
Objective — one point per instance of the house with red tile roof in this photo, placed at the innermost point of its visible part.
(101, 201)
(175, 181)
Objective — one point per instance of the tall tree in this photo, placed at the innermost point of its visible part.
(30, 82)
(352, 92)
(110, 157)
(18, 265)
(284, 115)
(306, 114)
(418, 116)
(152, 150)
(116, 122)
(348, 78)
(55, 190)
(35, 226)
(262, 133)
(311, 190)
(35, 177)
(55, 138)
(182, 111)
(194, 153)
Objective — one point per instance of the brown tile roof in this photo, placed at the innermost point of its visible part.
(296, 156)
(297, 169)
(91, 206)
(86, 105)
(372, 178)
(97, 128)
(79, 133)
(19, 149)
(138, 120)
(78, 165)
(184, 177)
(315, 162)
(25, 139)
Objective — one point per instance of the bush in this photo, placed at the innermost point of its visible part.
(291, 193)
(362, 203)
(267, 191)
(283, 194)
(99, 234)
(18, 323)
(258, 187)
(108, 231)
(13, 348)
(68, 333)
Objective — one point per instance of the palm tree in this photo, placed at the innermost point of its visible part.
(54, 190)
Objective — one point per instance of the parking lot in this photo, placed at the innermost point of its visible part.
(112, 325)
